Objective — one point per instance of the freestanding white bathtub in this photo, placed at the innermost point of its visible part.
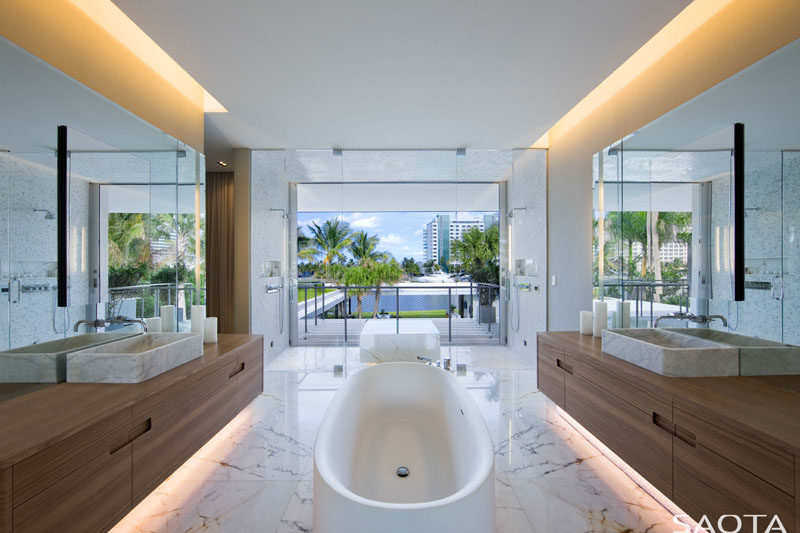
(403, 415)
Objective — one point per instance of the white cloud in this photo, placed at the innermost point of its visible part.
(390, 239)
(417, 254)
(418, 232)
(365, 223)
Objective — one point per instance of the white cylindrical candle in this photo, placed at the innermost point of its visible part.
(600, 318)
(167, 318)
(626, 314)
(586, 322)
(153, 325)
(210, 330)
(198, 318)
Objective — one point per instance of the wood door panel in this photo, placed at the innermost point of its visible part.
(708, 484)
(86, 450)
(85, 501)
(755, 455)
(627, 431)
(183, 418)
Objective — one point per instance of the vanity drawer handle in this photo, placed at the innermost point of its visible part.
(146, 426)
(686, 436)
(564, 366)
(239, 368)
(663, 423)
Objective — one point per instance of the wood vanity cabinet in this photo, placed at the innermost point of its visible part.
(85, 479)
(550, 371)
(708, 459)
(721, 470)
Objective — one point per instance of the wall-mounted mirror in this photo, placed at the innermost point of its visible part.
(135, 217)
(672, 230)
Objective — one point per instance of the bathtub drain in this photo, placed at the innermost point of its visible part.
(402, 471)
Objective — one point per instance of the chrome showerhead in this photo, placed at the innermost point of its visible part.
(48, 215)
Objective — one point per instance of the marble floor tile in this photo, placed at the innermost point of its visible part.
(181, 506)
(256, 474)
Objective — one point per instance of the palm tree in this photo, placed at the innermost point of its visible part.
(329, 240)
(477, 248)
(363, 248)
(358, 276)
(384, 273)
(127, 239)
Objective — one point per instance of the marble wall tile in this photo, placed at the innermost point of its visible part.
(269, 231)
(528, 236)
(28, 243)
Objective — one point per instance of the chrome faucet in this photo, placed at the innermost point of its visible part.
(697, 319)
(100, 323)
(425, 360)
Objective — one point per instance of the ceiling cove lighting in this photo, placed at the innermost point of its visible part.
(684, 24)
(112, 19)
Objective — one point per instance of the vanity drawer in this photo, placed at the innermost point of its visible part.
(87, 500)
(550, 371)
(708, 484)
(86, 451)
(630, 433)
(637, 392)
(250, 374)
(182, 419)
(751, 453)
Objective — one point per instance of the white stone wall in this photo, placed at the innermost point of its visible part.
(269, 230)
(28, 250)
(528, 240)
(772, 213)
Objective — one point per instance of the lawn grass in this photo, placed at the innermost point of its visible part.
(301, 293)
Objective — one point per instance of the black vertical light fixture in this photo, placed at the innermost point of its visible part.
(63, 217)
(738, 212)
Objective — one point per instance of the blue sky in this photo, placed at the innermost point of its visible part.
(400, 233)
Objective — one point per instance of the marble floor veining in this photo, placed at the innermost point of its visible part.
(256, 474)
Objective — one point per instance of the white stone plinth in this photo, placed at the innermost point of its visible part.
(380, 342)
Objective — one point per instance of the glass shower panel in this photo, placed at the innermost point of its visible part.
(790, 288)
(32, 314)
(5, 285)
(760, 314)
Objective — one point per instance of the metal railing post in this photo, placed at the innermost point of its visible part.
(652, 290)
(449, 314)
(471, 303)
(345, 314)
(323, 300)
(397, 308)
(157, 303)
(305, 316)
(315, 304)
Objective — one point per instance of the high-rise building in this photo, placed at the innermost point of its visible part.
(440, 231)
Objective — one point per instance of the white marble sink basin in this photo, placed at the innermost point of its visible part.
(135, 359)
(47, 362)
(672, 354)
(757, 357)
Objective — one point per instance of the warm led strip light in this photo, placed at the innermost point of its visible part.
(635, 476)
(120, 26)
(684, 24)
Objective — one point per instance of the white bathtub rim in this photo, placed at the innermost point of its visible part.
(484, 472)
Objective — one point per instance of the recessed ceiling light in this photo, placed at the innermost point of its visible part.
(222, 163)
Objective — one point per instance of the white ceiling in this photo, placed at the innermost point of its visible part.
(35, 98)
(411, 74)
